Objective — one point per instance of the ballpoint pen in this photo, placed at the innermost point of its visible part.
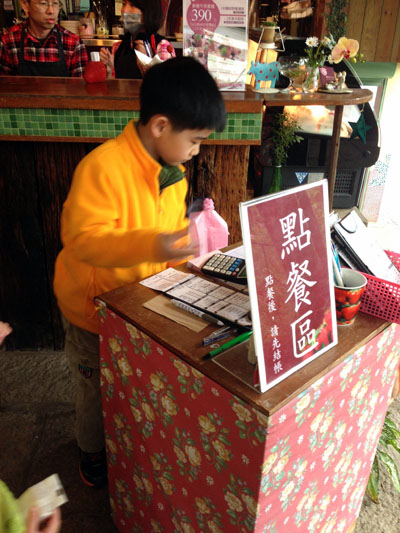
(197, 312)
(337, 276)
(218, 335)
(237, 340)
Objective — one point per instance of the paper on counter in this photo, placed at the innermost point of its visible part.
(166, 280)
(163, 306)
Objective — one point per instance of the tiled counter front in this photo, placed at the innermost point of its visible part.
(186, 455)
(92, 124)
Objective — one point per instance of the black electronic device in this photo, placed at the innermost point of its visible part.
(226, 267)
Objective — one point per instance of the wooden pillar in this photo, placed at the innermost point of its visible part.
(220, 172)
(334, 154)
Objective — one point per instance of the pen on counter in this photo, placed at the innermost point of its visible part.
(237, 340)
(218, 335)
(197, 312)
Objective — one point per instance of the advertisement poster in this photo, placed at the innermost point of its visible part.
(289, 273)
(215, 33)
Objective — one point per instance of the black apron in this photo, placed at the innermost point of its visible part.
(125, 61)
(42, 68)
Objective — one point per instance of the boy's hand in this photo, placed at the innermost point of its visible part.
(168, 246)
(51, 525)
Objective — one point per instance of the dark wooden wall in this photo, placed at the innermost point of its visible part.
(34, 182)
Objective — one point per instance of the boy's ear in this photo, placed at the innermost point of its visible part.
(159, 124)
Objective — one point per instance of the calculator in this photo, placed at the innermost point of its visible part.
(226, 267)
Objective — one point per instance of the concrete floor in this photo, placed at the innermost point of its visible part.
(36, 428)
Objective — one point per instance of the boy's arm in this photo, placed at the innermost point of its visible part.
(90, 224)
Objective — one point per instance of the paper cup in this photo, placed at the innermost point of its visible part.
(348, 298)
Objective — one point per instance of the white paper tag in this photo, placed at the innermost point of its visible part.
(45, 496)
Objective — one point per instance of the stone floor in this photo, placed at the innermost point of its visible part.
(36, 428)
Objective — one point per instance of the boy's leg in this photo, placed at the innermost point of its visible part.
(82, 349)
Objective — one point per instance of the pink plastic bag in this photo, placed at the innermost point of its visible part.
(208, 228)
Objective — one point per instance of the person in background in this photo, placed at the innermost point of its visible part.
(124, 219)
(140, 35)
(10, 519)
(39, 46)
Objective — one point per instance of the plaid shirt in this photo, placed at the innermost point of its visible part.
(74, 50)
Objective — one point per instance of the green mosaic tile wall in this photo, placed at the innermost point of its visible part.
(105, 124)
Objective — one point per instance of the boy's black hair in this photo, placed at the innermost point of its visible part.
(152, 14)
(184, 91)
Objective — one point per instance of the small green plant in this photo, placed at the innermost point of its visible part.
(284, 134)
(389, 436)
(269, 24)
(336, 18)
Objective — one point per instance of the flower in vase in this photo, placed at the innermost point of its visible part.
(345, 49)
(326, 49)
(317, 51)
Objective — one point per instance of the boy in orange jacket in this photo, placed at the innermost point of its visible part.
(123, 219)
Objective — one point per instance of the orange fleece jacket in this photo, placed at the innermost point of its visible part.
(109, 222)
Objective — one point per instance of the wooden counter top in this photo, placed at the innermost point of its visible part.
(75, 93)
(128, 302)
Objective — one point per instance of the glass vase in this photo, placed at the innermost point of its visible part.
(311, 81)
(276, 183)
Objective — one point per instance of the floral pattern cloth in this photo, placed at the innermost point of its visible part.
(186, 455)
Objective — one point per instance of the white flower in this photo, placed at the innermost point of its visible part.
(268, 508)
(300, 439)
(162, 434)
(160, 506)
(330, 380)
(312, 42)
(121, 395)
(312, 465)
(326, 480)
(341, 403)
(187, 412)
(138, 373)
(123, 464)
(245, 459)
(142, 448)
(215, 392)
(210, 480)
(282, 418)
(184, 491)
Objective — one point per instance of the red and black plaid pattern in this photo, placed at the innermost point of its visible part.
(74, 50)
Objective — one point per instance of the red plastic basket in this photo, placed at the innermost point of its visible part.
(382, 298)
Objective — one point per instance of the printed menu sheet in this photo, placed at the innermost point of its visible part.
(215, 33)
(289, 275)
(222, 301)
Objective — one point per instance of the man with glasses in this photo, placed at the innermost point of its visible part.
(39, 46)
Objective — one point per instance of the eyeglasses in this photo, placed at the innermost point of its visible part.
(43, 5)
